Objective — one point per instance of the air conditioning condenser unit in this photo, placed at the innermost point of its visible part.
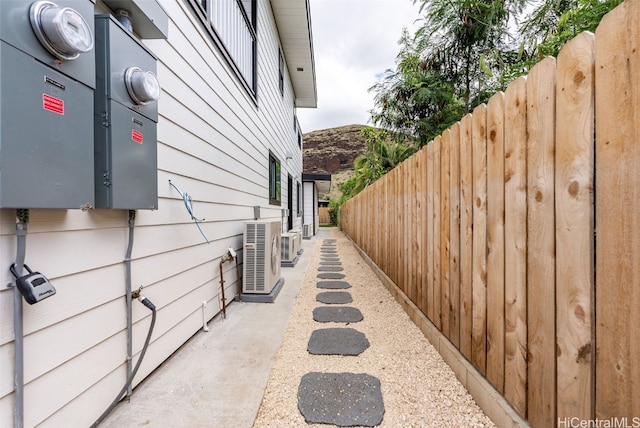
(261, 265)
(288, 247)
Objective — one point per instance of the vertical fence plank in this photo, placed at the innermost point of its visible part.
(617, 208)
(515, 245)
(417, 231)
(410, 260)
(430, 234)
(466, 235)
(495, 241)
(395, 227)
(454, 235)
(445, 198)
(541, 84)
(437, 229)
(425, 236)
(574, 227)
(479, 279)
(402, 221)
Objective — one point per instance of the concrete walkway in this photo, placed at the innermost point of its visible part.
(218, 378)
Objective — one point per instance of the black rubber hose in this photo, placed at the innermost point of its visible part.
(115, 402)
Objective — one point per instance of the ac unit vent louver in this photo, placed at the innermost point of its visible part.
(288, 247)
(261, 256)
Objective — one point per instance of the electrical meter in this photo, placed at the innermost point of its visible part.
(61, 30)
(142, 86)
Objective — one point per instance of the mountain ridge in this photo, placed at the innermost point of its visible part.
(333, 151)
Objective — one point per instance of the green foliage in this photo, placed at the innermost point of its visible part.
(383, 153)
(464, 52)
(334, 210)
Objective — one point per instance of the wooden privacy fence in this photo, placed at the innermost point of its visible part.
(489, 231)
(323, 215)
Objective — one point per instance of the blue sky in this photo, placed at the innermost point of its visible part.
(355, 41)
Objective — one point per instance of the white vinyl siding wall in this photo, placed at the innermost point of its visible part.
(213, 143)
(310, 205)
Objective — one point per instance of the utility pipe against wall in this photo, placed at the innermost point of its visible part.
(127, 293)
(238, 280)
(21, 237)
(227, 257)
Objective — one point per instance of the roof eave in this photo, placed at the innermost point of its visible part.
(293, 19)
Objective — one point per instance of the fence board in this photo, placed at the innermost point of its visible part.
(454, 235)
(426, 235)
(574, 227)
(541, 84)
(617, 207)
(417, 232)
(466, 235)
(515, 245)
(437, 244)
(479, 280)
(430, 232)
(445, 198)
(495, 241)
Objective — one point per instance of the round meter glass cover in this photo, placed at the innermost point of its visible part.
(143, 86)
(62, 31)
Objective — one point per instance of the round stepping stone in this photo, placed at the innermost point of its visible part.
(334, 297)
(331, 263)
(331, 275)
(342, 399)
(337, 341)
(337, 314)
(330, 269)
(333, 285)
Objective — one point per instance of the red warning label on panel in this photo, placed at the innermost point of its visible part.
(136, 136)
(53, 104)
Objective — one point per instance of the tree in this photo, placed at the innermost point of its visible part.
(438, 77)
(415, 99)
(383, 153)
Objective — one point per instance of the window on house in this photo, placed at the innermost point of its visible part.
(280, 72)
(232, 25)
(275, 187)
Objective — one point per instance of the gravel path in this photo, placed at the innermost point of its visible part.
(418, 388)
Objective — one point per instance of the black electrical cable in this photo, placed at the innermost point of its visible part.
(151, 306)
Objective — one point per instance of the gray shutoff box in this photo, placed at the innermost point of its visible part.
(46, 104)
(125, 123)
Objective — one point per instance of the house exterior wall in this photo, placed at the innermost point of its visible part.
(311, 214)
(213, 143)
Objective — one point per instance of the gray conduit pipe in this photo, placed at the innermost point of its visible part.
(18, 332)
(127, 293)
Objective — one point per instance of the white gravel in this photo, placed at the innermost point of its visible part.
(418, 388)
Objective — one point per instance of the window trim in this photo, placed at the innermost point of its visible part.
(201, 13)
(275, 180)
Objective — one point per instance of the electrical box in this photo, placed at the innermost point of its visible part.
(47, 80)
(125, 117)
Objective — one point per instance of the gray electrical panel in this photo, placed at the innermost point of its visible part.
(125, 122)
(46, 105)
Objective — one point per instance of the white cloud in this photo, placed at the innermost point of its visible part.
(355, 41)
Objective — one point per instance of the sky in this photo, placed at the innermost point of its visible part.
(354, 42)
